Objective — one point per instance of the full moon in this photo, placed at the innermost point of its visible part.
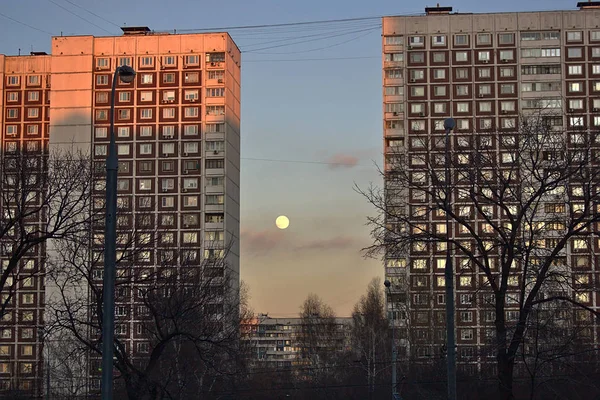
(282, 222)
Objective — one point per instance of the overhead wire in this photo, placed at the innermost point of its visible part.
(312, 40)
(25, 24)
(79, 16)
(312, 59)
(92, 13)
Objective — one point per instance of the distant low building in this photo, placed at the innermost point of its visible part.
(281, 342)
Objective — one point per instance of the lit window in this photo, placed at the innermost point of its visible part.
(465, 280)
(190, 237)
(190, 201)
(145, 184)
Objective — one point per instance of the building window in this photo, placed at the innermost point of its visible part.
(102, 97)
(145, 184)
(12, 80)
(190, 237)
(168, 77)
(192, 112)
(574, 52)
(191, 77)
(215, 199)
(190, 130)
(146, 131)
(484, 39)
(123, 131)
(146, 149)
(192, 60)
(167, 184)
(33, 96)
(416, 41)
(169, 60)
(146, 96)
(33, 80)
(32, 129)
(485, 106)
(192, 95)
(168, 112)
(123, 114)
(146, 62)
(507, 72)
(462, 90)
(461, 40)
(417, 57)
(214, 92)
(439, 90)
(507, 55)
(168, 131)
(168, 148)
(507, 88)
(145, 166)
(485, 89)
(483, 56)
(101, 80)
(439, 74)
(146, 113)
(147, 79)
(124, 97)
(394, 57)
(462, 73)
(102, 115)
(125, 61)
(393, 73)
(33, 112)
(438, 40)
(439, 57)
(123, 149)
(575, 87)
(461, 56)
(506, 38)
(574, 36)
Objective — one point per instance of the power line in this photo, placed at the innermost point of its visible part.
(313, 39)
(314, 59)
(230, 28)
(27, 25)
(79, 16)
(321, 48)
(92, 13)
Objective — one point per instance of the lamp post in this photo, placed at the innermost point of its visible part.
(126, 74)
(395, 395)
(449, 125)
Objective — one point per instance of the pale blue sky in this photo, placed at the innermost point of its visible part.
(291, 110)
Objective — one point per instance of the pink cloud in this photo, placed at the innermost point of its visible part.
(260, 242)
(342, 161)
(338, 242)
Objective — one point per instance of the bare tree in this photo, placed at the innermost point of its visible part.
(176, 321)
(524, 208)
(43, 197)
(370, 333)
(320, 340)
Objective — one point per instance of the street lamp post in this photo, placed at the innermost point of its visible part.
(449, 125)
(126, 74)
(395, 396)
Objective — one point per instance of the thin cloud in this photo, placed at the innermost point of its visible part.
(342, 161)
(338, 242)
(260, 242)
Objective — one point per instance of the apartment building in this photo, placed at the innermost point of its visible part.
(177, 127)
(276, 343)
(24, 126)
(483, 70)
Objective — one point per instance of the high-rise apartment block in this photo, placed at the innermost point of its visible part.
(485, 71)
(177, 127)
